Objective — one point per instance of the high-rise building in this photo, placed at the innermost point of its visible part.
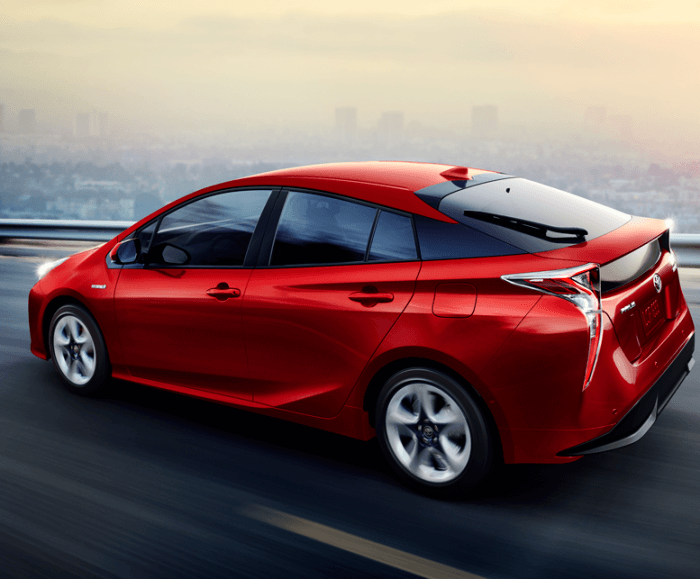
(92, 124)
(27, 121)
(101, 124)
(620, 126)
(594, 120)
(390, 128)
(484, 120)
(346, 124)
(81, 128)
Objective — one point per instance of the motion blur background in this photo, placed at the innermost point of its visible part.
(110, 109)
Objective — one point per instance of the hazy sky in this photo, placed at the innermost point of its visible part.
(228, 63)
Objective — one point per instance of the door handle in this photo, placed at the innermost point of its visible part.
(369, 298)
(222, 292)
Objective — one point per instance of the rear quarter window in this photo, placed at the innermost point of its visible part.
(523, 200)
(393, 239)
(440, 240)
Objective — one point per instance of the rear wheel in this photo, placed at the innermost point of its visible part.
(78, 350)
(432, 432)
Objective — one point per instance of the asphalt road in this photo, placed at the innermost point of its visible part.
(143, 483)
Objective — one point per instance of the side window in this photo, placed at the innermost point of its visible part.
(440, 240)
(213, 231)
(393, 239)
(316, 229)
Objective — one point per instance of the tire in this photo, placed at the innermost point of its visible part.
(433, 433)
(78, 350)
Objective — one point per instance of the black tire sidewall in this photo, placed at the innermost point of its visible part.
(102, 367)
(481, 457)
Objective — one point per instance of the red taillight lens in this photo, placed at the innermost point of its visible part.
(581, 287)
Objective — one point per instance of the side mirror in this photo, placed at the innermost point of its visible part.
(126, 252)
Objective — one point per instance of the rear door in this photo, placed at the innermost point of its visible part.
(333, 279)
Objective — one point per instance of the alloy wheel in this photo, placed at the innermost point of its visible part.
(428, 432)
(74, 349)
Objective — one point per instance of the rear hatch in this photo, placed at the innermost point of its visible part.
(632, 251)
(641, 291)
(639, 281)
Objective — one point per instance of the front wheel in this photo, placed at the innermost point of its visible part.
(432, 432)
(78, 350)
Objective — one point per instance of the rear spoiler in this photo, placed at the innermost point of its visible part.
(637, 232)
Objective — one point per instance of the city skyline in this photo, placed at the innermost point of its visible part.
(479, 121)
(192, 67)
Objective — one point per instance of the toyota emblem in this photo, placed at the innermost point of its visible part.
(657, 283)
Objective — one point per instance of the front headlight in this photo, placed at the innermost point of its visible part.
(45, 268)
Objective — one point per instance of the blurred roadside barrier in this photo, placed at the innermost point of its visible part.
(71, 230)
(686, 245)
(687, 248)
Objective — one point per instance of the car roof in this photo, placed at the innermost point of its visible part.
(389, 183)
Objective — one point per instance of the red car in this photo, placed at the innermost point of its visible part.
(463, 316)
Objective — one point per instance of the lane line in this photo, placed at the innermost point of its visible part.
(356, 545)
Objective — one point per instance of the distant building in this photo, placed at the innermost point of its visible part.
(27, 121)
(82, 125)
(102, 127)
(346, 124)
(484, 120)
(620, 126)
(92, 124)
(390, 128)
(594, 120)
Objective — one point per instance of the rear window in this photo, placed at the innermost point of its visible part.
(531, 216)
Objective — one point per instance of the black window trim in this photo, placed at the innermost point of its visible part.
(265, 254)
(371, 234)
(256, 239)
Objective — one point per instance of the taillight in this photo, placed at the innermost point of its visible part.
(581, 287)
(665, 241)
(674, 259)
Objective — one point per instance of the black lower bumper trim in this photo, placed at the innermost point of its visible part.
(643, 414)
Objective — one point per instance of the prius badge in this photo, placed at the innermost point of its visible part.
(657, 283)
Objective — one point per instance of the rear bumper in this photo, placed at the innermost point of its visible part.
(640, 418)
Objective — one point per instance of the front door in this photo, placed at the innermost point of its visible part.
(179, 313)
(182, 327)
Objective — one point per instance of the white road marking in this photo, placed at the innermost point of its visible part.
(357, 545)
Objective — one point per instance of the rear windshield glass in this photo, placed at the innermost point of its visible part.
(531, 216)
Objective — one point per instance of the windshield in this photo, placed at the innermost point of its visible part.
(531, 216)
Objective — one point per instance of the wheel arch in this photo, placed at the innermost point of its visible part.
(385, 372)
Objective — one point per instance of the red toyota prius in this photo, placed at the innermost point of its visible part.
(462, 316)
